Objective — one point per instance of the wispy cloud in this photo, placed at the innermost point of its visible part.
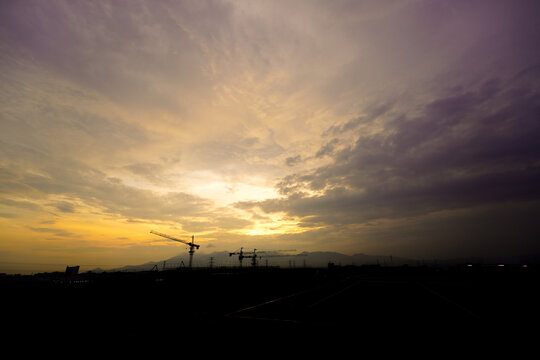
(56, 232)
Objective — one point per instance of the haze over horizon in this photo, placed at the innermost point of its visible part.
(409, 128)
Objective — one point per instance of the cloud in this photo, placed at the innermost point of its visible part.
(8, 216)
(293, 160)
(360, 112)
(22, 204)
(95, 188)
(127, 52)
(372, 113)
(150, 171)
(64, 206)
(55, 232)
(231, 223)
(328, 148)
(466, 149)
(86, 186)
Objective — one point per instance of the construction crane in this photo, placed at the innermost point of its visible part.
(253, 255)
(240, 254)
(191, 244)
(247, 254)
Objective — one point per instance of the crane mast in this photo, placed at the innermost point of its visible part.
(240, 255)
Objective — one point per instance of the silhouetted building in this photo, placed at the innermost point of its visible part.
(72, 270)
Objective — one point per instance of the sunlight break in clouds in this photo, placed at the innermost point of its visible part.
(402, 127)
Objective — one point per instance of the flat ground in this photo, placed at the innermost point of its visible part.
(355, 306)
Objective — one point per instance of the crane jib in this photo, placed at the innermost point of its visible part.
(191, 244)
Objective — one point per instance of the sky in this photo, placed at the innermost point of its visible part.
(403, 128)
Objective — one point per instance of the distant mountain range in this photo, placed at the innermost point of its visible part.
(309, 259)
(304, 259)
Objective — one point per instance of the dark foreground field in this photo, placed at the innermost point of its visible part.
(270, 308)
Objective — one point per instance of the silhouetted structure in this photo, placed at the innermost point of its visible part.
(72, 270)
(191, 244)
(253, 255)
(240, 254)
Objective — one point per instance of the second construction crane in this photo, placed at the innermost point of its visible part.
(192, 245)
(243, 254)
(253, 255)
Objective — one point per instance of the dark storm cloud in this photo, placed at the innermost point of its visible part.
(468, 148)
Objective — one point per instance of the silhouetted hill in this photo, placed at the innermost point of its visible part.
(314, 259)
(303, 259)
